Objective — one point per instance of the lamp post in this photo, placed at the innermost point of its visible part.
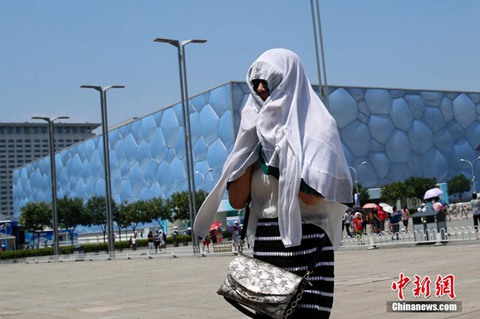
(106, 160)
(53, 175)
(186, 124)
(473, 173)
(323, 88)
(356, 180)
(204, 176)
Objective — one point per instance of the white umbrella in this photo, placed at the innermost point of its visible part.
(387, 208)
(433, 192)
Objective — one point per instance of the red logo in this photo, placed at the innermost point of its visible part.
(444, 286)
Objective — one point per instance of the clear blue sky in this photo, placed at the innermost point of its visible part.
(51, 47)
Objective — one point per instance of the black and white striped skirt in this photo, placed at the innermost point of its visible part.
(317, 300)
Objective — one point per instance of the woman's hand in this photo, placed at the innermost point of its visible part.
(309, 199)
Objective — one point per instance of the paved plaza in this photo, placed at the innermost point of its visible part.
(185, 287)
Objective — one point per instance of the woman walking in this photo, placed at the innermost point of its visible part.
(288, 165)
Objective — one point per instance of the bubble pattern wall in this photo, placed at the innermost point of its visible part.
(404, 133)
(399, 133)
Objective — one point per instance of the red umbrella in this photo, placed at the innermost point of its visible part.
(370, 205)
(215, 225)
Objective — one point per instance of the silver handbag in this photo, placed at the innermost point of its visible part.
(262, 287)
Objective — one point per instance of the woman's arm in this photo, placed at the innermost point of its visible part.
(239, 189)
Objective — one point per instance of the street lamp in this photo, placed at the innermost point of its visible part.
(473, 174)
(186, 124)
(356, 180)
(53, 175)
(106, 160)
(323, 88)
(204, 176)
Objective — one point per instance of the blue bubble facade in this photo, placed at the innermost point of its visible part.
(398, 133)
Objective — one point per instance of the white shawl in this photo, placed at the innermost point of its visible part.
(297, 135)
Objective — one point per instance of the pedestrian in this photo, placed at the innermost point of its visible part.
(370, 222)
(133, 242)
(382, 217)
(236, 235)
(476, 213)
(348, 222)
(157, 240)
(437, 205)
(395, 219)
(358, 224)
(150, 242)
(376, 221)
(163, 240)
(175, 234)
(405, 218)
(288, 165)
(213, 235)
(206, 243)
(219, 233)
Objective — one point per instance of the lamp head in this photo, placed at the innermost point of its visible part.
(173, 42)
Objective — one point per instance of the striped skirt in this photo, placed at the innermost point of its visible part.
(317, 299)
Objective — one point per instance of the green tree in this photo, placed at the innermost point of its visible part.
(71, 213)
(390, 193)
(96, 208)
(120, 217)
(134, 213)
(35, 217)
(415, 187)
(178, 205)
(457, 185)
(157, 211)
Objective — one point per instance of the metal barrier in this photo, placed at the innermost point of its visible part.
(225, 248)
(370, 241)
(413, 237)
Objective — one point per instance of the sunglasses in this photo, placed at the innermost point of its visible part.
(256, 83)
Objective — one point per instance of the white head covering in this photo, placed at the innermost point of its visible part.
(297, 135)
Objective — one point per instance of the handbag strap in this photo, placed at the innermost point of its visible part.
(245, 222)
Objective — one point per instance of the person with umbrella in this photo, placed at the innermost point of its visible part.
(430, 196)
(214, 230)
(382, 216)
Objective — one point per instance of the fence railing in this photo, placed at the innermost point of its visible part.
(429, 236)
(226, 248)
(414, 237)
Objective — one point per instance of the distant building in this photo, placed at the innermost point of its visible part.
(22, 143)
(398, 133)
